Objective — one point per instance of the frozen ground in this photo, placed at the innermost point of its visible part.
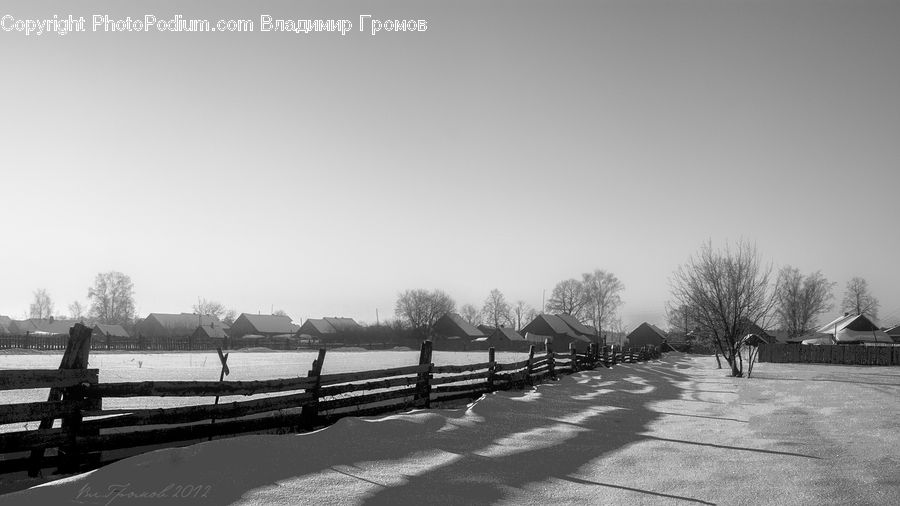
(668, 432)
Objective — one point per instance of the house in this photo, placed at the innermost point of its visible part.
(266, 325)
(452, 326)
(560, 329)
(850, 328)
(106, 331)
(646, 334)
(333, 329)
(894, 333)
(210, 332)
(41, 327)
(5, 323)
(167, 325)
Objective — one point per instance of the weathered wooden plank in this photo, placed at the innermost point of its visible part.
(168, 435)
(473, 387)
(361, 400)
(371, 385)
(443, 369)
(461, 377)
(199, 388)
(188, 414)
(512, 366)
(370, 411)
(36, 411)
(22, 440)
(44, 378)
(332, 379)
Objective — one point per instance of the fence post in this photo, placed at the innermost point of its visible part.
(492, 360)
(550, 362)
(423, 383)
(75, 357)
(530, 366)
(574, 356)
(310, 411)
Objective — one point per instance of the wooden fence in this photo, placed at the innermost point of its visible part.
(89, 436)
(830, 354)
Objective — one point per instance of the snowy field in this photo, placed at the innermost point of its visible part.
(674, 431)
(196, 366)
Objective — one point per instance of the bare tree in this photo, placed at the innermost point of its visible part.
(76, 310)
(800, 299)
(112, 298)
(602, 298)
(522, 314)
(209, 307)
(420, 309)
(471, 314)
(229, 316)
(725, 292)
(496, 311)
(858, 300)
(567, 297)
(42, 307)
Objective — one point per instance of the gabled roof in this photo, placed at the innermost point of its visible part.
(214, 332)
(454, 324)
(854, 328)
(321, 325)
(41, 326)
(576, 325)
(188, 321)
(652, 328)
(111, 330)
(342, 324)
(508, 333)
(893, 331)
(270, 323)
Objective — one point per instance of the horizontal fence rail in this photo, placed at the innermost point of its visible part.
(87, 435)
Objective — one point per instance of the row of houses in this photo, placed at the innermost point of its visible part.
(845, 329)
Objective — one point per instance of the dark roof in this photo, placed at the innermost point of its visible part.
(450, 323)
(111, 330)
(653, 328)
(184, 323)
(576, 325)
(271, 324)
(342, 324)
(894, 331)
(322, 326)
(508, 333)
(215, 332)
(50, 326)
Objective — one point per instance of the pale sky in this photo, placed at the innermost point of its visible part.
(512, 145)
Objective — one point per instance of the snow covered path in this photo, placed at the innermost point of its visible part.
(672, 431)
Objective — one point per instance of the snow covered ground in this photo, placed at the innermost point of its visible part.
(675, 431)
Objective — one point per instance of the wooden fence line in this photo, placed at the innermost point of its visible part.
(290, 405)
(830, 354)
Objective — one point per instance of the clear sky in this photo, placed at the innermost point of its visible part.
(511, 145)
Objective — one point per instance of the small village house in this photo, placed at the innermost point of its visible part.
(646, 334)
(265, 325)
(330, 329)
(167, 325)
(562, 330)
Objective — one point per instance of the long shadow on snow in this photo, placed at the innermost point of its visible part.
(568, 425)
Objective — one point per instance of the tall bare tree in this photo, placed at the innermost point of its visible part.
(602, 295)
(471, 314)
(42, 307)
(76, 310)
(568, 297)
(800, 299)
(420, 309)
(209, 307)
(496, 311)
(725, 292)
(858, 300)
(112, 298)
(522, 313)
